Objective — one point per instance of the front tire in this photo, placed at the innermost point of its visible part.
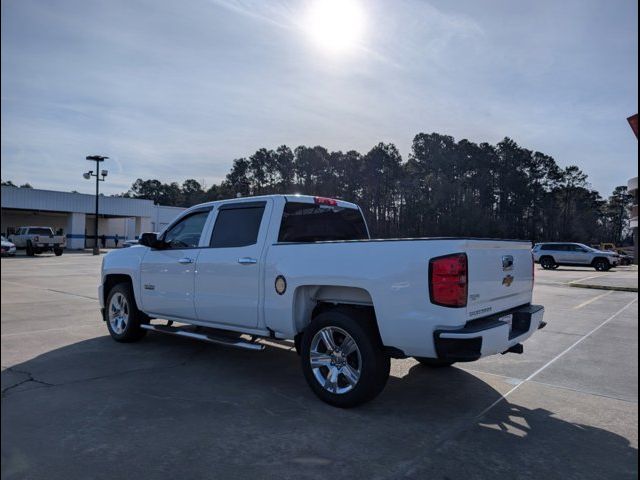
(434, 362)
(342, 358)
(601, 265)
(122, 315)
(29, 248)
(57, 251)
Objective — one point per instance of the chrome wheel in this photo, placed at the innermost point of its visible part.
(118, 313)
(335, 360)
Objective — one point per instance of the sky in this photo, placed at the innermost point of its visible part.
(176, 90)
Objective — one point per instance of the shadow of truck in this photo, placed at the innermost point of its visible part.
(171, 408)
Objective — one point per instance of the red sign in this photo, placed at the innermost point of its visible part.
(633, 121)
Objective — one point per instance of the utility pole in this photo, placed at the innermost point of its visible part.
(98, 173)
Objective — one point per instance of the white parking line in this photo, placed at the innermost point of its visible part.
(588, 302)
(587, 278)
(47, 330)
(553, 360)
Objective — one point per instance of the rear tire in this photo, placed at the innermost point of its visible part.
(122, 315)
(353, 378)
(434, 362)
(548, 263)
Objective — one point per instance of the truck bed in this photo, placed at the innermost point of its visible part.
(393, 274)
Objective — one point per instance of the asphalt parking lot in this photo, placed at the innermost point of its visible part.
(75, 404)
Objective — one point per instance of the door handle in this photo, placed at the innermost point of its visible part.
(247, 261)
(185, 260)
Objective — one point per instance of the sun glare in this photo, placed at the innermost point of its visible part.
(336, 26)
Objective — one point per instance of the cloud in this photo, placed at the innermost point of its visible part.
(273, 12)
(179, 90)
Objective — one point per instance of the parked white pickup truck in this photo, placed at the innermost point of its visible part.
(303, 268)
(36, 240)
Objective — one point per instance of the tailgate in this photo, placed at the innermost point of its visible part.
(44, 240)
(500, 276)
(48, 240)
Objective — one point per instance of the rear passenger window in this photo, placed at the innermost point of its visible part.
(237, 225)
(557, 247)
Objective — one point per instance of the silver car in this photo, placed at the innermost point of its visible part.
(8, 248)
(551, 255)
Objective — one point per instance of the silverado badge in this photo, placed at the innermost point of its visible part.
(507, 281)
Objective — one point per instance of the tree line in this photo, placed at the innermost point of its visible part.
(444, 188)
(9, 183)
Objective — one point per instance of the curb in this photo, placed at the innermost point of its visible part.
(604, 287)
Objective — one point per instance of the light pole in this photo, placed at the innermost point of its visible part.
(98, 174)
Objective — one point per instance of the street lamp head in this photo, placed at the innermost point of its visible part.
(96, 158)
(87, 175)
(104, 173)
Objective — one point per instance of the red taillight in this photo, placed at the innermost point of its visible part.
(448, 280)
(325, 201)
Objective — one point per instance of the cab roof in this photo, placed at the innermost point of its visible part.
(287, 198)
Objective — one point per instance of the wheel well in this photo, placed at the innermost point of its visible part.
(112, 280)
(364, 311)
(547, 256)
(598, 259)
(311, 300)
(361, 313)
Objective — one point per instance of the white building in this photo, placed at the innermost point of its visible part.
(74, 214)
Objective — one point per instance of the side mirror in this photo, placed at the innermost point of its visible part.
(149, 240)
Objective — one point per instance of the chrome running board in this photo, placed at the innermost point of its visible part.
(220, 340)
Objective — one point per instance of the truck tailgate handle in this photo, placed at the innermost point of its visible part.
(247, 261)
(185, 260)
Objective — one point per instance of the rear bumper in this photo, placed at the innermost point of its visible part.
(489, 335)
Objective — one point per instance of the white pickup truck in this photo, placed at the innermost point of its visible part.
(303, 268)
(36, 240)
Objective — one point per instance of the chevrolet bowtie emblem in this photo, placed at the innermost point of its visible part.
(507, 281)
